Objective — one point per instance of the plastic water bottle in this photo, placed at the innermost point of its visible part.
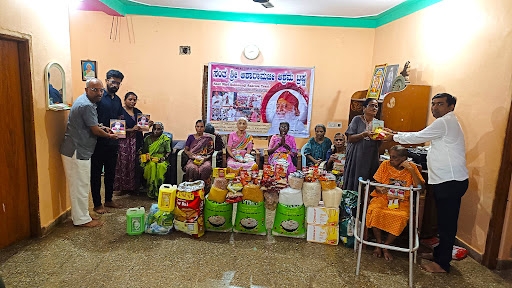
(350, 227)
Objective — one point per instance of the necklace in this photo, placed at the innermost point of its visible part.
(367, 123)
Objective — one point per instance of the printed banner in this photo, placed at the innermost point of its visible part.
(265, 95)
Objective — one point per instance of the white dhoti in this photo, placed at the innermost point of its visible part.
(78, 174)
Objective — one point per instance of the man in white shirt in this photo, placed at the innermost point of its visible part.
(447, 173)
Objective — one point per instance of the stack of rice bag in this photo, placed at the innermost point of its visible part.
(322, 216)
(290, 212)
(250, 213)
(217, 212)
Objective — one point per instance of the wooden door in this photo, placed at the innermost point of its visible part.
(14, 196)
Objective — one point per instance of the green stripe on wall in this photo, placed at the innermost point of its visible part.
(125, 7)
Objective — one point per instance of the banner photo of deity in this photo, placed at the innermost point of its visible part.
(265, 95)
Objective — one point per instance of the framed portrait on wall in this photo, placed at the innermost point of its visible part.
(377, 81)
(391, 72)
(89, 69)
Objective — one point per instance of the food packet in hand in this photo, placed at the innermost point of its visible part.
(379, 134)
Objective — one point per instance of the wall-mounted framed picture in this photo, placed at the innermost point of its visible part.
(377, 81)
(89, 69)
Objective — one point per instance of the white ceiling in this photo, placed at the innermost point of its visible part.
(335, 8)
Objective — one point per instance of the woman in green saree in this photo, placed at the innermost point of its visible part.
(158, 145)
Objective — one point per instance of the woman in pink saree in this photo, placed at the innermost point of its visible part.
(239, 147)
(199, 149)
(282, 148)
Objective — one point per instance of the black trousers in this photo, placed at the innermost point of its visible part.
(447, 196)
(103, 156)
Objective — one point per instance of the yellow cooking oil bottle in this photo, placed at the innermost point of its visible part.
(167, 197)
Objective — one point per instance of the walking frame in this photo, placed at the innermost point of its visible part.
(414, 242)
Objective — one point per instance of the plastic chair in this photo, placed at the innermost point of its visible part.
(179, 170)
(303, 157)
(414, 241)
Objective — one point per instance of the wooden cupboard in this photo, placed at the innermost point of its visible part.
(405, 110)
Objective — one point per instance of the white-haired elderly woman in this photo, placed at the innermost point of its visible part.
(239, 148)
(158, 145)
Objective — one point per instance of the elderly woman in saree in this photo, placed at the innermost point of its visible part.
(382, 216)
(199, 149)
(316, 150)
(158, 145)
(239, 147)
(282, 148)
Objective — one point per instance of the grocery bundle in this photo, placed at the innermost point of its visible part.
(306, 204)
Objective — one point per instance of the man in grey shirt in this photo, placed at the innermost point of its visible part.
(79, 142)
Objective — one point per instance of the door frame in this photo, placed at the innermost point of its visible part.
(28, 130)
(499, 204)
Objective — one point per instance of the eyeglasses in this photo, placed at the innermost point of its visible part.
(114, 82)
(339, 140)
(101, 90)
(373, 105)
(397, 157)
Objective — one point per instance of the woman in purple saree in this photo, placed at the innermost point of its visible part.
(282, 148)
(239, 147)
(127, 171)
(199, 149)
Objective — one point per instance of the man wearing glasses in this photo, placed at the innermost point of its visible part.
(104, 157)
(79, 142)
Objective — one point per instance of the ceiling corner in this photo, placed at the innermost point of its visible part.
(115, 5)
(405, 8)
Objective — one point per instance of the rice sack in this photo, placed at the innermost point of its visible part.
(311, 193)
(250, 218)
(296, 179)
(220, 183)
(291, 197)
(332, 198)
(289, 221)
(218, 216)
(217, 195)
(252, 193)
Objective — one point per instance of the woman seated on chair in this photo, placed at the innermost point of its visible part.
(239, 148)
(282, 148)
(336, 155)
(199, 149)
(158, 145)
(316, 150)
(336, 158)
(382, 215)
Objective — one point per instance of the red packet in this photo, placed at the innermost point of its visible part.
(280, 172)
(245, 177)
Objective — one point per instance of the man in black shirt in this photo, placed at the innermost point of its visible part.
(105, 153)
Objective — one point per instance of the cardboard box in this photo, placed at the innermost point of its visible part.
(323, 216)
(323, 234)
